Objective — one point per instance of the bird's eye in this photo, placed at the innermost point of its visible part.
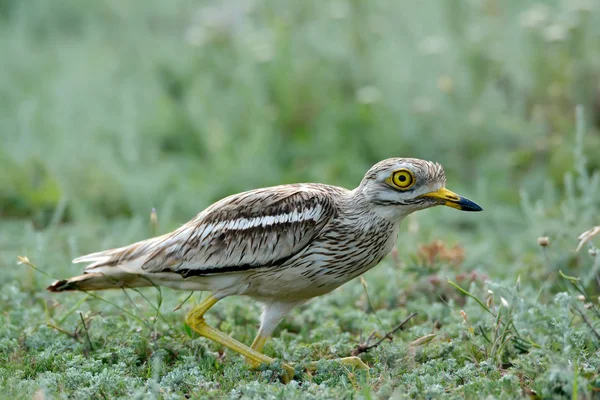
(402, 179)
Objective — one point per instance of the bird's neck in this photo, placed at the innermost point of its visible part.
(391, 213)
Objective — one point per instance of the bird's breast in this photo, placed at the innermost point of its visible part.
(338, 255)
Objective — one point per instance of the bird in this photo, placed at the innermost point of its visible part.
(281, 246)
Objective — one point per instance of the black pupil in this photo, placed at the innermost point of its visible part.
(402, 178)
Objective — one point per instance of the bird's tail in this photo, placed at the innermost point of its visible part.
(112, 269)
(100, 281)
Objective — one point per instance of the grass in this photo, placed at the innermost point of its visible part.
(111, 108)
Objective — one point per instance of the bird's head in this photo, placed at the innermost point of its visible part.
(400, 186)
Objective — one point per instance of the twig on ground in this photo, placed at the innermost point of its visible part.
(366, 346)
(76, 335)
(587, 322)
(87, 334)
(69, 334)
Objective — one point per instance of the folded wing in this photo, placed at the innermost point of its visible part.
(260, 228)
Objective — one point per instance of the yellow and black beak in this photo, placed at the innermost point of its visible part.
(451, 199)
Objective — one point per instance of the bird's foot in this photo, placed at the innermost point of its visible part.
(288, 371)
(354, 362)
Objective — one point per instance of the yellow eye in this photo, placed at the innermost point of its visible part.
(402, 179)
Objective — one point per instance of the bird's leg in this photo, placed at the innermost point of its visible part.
(195, 320)
(257, 345)
(259, 342)
(273, 313)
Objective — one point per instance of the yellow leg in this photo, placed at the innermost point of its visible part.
(353, 362)
(349, 361)
(195, 320)
(257, 345)
(259, 342)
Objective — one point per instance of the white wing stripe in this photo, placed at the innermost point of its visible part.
(241, 224)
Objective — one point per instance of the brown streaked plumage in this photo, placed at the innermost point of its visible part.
(280, 245)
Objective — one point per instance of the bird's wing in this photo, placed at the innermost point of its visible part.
(260, 228)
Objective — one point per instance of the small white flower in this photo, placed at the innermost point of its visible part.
(339, 9)
(535, 16)
(433, 45)
(580, 5)
(423, 105)
(23, 260)
(555, 33)
(263, 52)
(587, 236)
(504, 302)
(195, 35)
(476, 117)
(368, 95)
(445, 84)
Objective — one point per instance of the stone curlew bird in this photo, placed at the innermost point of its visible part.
(281, 245)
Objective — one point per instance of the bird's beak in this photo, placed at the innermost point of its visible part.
(451, 199)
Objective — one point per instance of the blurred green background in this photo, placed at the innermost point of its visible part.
(110, 108)
(115, 107)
